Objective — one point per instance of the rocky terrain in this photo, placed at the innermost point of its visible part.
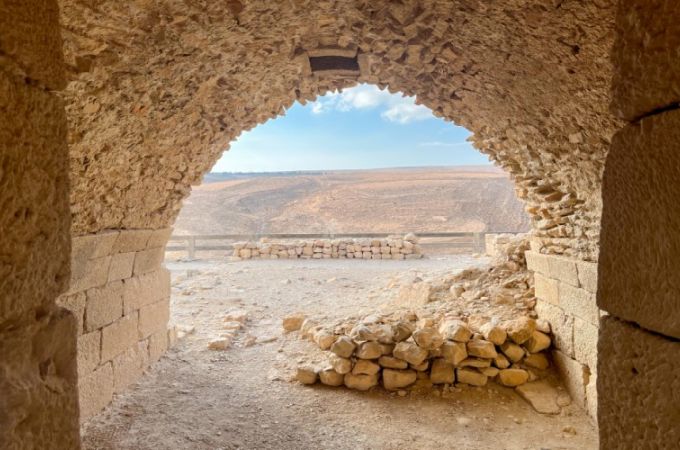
(479, 198)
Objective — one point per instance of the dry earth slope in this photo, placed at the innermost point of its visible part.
(479, 198)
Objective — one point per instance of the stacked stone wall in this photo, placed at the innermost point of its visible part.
(119, 294)
(394, 247)
(565, 290)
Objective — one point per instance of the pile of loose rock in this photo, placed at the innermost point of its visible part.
(392, 247)
(477, 326)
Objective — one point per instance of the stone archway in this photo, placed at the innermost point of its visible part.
(156, 90)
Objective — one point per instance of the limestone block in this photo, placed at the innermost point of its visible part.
(546, 288)
(562, 326)
(585, 343)
(119, 336)
(129, 366)
(158, 345)
(645, 413)
(575, 376)
(145, 289)
(537, 262)
(132, 241)
(148, 260)
(31, 38)
(645, 56)
(563, 269)
(159, 238)
(104, 305)
(638, 278)
(89, 352)
(93, 246)
(89, 273)
(76, 304)
(121, 266)
(95, 391)
(591, 397)
(579, 302)
(587, 275)
(154, 317)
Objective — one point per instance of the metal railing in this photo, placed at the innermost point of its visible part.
(474, 241)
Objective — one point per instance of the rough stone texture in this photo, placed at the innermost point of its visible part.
(95, 391)
(639, 279)
(575, 376)
(644, 414)
(147, 122)
(38, 400)
(646, 56)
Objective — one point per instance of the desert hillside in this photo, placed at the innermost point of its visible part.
(385, 200)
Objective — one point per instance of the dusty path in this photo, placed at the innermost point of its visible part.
(241, 398)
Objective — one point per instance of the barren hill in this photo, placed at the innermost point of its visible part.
(385, 200)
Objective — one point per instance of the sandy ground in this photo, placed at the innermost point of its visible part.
(242, 398)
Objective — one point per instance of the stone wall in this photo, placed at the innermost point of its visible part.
(394, 247)
(119, 294)
(38, 404)
(565, 290)
(495, 242)
(639, 281)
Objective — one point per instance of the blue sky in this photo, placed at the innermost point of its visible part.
(360, 128)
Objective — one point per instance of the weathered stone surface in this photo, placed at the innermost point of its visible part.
(89, 352)
(644, 52)
(330, 377)
(513, 377)
(428, 338)
(520, 329)
(454, 352)
(494, 333)
(538, 342)
(340, 365)
(365, 367)
(481, 349)
(119, 336)
(585, 343)
(397, 379)
(442, 372)
(455, 330)
(343, 347)
(158, 345)
(293, 322)
(638, 276)
(644, 414)
(410, 353)
(306, 375)
(471, 376)
(391, 362)
(513, 351)
(360, 382)
(537, 361)
(129, 366)
(121, 266)
(562, 326)
(541, 396)
(95, 391)
(104, 306)
(575, 376)
(153, 318)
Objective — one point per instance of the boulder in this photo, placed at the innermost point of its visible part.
(343, 347)
(455, 330)
(330, 377)
(442, 372)
(293, 322)
(410, 352)
(513, 377)
(482, 349)
(471, 377)
(428, 338)
(398, 379)
(360, 382)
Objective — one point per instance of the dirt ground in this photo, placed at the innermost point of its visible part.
(242, 398)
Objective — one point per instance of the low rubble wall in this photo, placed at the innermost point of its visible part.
(393, 247)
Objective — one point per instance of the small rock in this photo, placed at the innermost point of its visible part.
(453, 352)
(537, 342)
(340, 365)
(501, 361)
(494, 333)
(513, 351)
(489, 371)
(219, 344)
(442, 372)
(330, 377)
(360, 382)
(391, 362)
(455, 330)
(410, 353)
(343, 347)
(428, 338)
(482, 349)
(365, 367)
(397, 379)
(293, 322)
(513, 377)
(369, 350)
(521, 329)
(306, 375)
(422, 367)
(536, 360)
(402, 331)
(471, 377)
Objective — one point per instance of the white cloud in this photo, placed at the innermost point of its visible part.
(396, 108)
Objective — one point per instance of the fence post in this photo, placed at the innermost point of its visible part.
(191, 247)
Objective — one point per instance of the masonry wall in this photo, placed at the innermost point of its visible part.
(565, 290)
(38, 407)
(119, 293)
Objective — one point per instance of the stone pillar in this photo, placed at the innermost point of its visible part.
(38, 403)
(639, 275)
